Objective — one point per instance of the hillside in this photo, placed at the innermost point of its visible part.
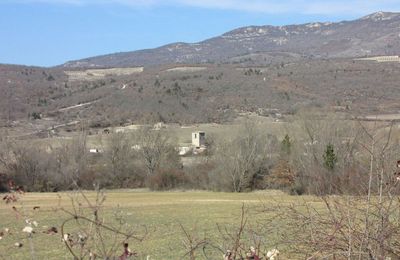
(375, 34)
(187, 94)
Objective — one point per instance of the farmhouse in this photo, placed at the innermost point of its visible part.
(199, 139)
(159, 126)
(95, 150)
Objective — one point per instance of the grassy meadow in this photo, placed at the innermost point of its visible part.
(162, 213)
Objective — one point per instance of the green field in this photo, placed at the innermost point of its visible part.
(162, 213)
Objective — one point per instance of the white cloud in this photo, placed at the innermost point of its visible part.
(325, 7)
(299, 6)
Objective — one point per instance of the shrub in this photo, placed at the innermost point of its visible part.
(297, 189)
(167, 180)
(36, 115)
(4, 187)
(197, 176)
(282, 176)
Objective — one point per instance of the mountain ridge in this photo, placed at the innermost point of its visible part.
(374, 34)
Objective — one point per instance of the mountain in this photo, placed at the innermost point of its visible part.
(375, 34)
(34, 100)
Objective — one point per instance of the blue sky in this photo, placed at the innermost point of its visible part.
(51, 32)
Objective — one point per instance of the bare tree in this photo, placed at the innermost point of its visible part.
(155, 148)
(70, 160)
(5, 149)
(313, 134)
(239, 159)
(120, 159)
(352, 227)
(26, 164)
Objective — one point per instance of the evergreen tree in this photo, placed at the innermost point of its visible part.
(330, 157)
(286, 145)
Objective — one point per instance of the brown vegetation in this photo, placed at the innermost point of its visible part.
(217, 94)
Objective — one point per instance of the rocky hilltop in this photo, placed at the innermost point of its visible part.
(375, 34)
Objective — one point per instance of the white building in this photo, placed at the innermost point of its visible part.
(95, 150)
(199, 139)
(381, 59)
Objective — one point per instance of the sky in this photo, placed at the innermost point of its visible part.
(51, 32)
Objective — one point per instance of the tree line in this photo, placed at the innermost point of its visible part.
(314, 155)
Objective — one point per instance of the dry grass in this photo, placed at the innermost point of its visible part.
(183, 134)
(383, 117)
(162, 213)
(186, 69)
(95, 74)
